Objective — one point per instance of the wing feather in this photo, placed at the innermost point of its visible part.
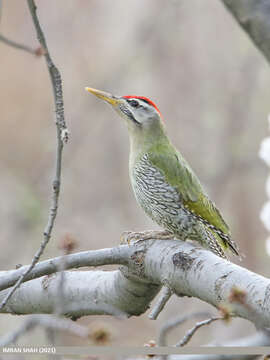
(178, 174)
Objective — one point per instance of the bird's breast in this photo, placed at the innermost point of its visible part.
(154, 194)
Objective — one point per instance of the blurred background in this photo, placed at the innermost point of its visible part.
(212, 87)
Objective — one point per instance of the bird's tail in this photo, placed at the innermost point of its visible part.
(215, 243)
(220, 242)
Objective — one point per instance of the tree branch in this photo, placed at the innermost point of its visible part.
(47, 322)
(159, 306)
(110, 256)
(171, 324)
(259, 339)
(61, 136)
(254, 17)
(85, 293)
(192, 331)
(19, 46)
(188, 271)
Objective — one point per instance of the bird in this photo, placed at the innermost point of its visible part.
(164, 184)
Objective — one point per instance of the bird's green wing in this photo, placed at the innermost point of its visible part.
(179, 175)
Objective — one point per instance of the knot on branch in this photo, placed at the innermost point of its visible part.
(182, 261)
(56, 186)
(64, 135)
(138, 260)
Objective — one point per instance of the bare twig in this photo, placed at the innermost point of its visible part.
(173, 323)
(61, 135)
(165, 295)
(215, 357)
(54, 73)
(192, 331)
(255, 340)
(19, 46)
(48, 322)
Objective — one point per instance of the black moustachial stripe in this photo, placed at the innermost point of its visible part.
(129, 114)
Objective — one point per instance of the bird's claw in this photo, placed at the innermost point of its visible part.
(125, 237)
(131, 237)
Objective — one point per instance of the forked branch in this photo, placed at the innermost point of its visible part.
(148, 265)
(38, 51)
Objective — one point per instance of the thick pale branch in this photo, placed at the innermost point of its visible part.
(190, 271)
(85, 293)
(186, 270)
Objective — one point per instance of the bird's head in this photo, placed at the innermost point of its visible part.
(141, 114)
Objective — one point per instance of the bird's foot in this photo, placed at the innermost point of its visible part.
(131, 237)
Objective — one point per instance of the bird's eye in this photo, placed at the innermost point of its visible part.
(134, 103)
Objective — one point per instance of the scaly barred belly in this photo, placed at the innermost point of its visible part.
(161, 201)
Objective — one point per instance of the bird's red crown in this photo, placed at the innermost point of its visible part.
(150, 102)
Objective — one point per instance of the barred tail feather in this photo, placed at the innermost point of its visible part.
(216, 244)
(224, 238)
(228, 241)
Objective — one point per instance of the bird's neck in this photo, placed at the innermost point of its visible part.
(144, 140)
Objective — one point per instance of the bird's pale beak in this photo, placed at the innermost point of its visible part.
(111, 99)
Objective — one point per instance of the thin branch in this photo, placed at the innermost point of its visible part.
(111, 256)
(61, 129)
(258, 339)
(173, 323)
(16, 45)
(54, 72)
(215, 357)
(48, 322)
(192, 331)
(20, 46)
(165, 295)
